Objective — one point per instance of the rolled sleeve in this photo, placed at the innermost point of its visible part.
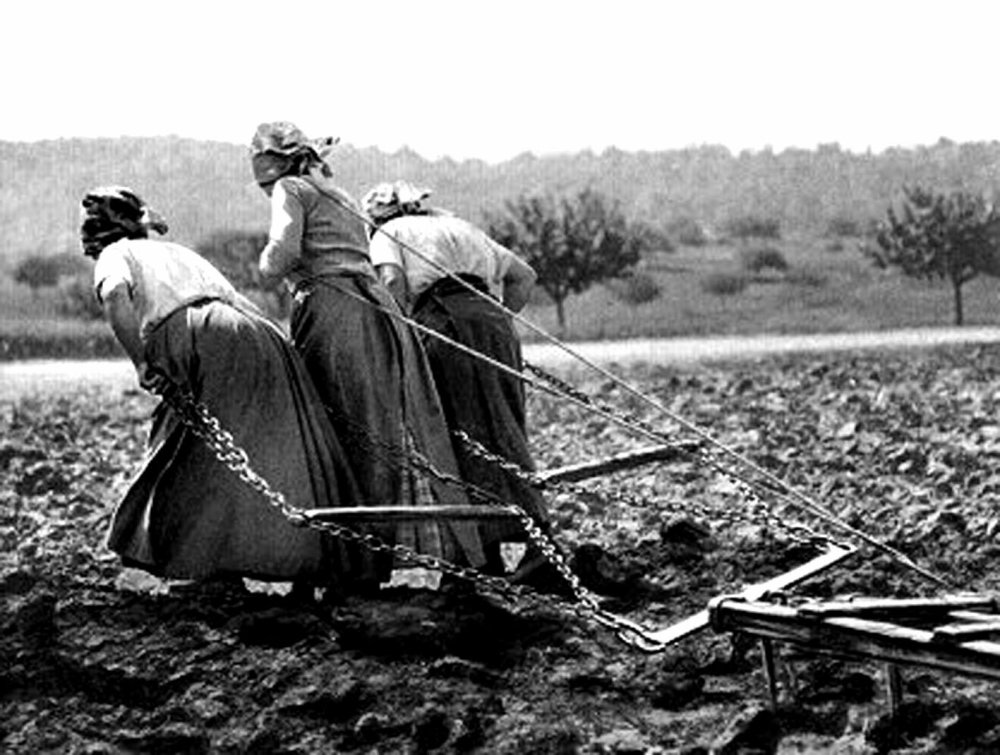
(284, 246)
(111, 271)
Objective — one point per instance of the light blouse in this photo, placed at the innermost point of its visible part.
(161, 277)
(316, 228)
(440, 241)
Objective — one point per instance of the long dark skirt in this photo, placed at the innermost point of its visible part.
(484, 401)
(373, 377)
(186, 515)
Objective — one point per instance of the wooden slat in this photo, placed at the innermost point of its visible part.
(833, 554)
(618, 463)
(899, 608)
(857, 638)
(952, 633)
(973, 616)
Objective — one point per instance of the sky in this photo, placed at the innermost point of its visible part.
(493, 80)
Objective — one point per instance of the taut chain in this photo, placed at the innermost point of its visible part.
(795, 530)
(206, 426)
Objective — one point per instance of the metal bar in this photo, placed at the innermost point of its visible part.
(833, 554)
(386, 514)
(618, 463)
(572, 473)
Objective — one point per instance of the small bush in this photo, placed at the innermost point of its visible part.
(806, 278)
(653, 239)
(753, 227)
(77, 299)
(842, 227)
(724, 284)
(46, 270)
(763, 258)
(687, 231)
(634, 289)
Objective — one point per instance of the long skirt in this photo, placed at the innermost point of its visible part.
(484, 401)
(186, 515)
(373, 377)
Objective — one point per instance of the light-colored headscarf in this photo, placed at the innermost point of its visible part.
(111, 213)
(279, 148)
(390, 200)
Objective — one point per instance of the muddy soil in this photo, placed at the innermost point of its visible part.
(95, 658)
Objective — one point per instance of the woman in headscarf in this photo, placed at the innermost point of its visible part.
(181, 322)
(430, 259)
(369, 368)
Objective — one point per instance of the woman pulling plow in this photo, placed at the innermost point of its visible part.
(183, 325)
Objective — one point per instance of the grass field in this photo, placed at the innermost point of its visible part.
(823, 290)
(31, 327)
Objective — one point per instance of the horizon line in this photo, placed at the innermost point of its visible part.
(942, 141)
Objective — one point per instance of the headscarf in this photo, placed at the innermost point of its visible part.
(280, 148)
(110, 213)
(390, 200)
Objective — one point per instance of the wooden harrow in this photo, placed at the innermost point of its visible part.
(956, 633)
(959, 633)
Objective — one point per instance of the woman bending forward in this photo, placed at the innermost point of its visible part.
(180, 321)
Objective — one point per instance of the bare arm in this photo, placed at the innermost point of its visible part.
(124, 322)
(242, 302)
(517, 284)
(284, 244)
(394, 279)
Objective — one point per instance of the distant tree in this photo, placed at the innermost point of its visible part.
(77, 298)
(753, 227)
(45, 270)
(687, 231)
(571, 242)
(844, 226)
(953, 236)
(757, 259)
(236, 254)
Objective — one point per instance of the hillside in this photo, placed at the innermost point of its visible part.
(202, 186)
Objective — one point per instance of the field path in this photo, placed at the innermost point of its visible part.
(715, 348)
(19, 379)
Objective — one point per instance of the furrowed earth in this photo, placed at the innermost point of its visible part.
(903, 445)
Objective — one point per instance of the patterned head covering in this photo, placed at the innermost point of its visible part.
(110, 213)
(280, 148)
(390, 200)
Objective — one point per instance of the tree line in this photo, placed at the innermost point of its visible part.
(574, 241)
(204, 186)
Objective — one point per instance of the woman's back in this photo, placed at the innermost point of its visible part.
(333, 219)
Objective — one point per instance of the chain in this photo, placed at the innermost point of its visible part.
(796, 530)
(585, 605)
(790, 495)
(206, 426)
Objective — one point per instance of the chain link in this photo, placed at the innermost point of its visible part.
(206, 426)
(585, 606)
(759, 509)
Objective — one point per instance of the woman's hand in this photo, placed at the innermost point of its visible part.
(152, 379)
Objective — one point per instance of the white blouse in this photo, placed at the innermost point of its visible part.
(449, 241)
(161, 277)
